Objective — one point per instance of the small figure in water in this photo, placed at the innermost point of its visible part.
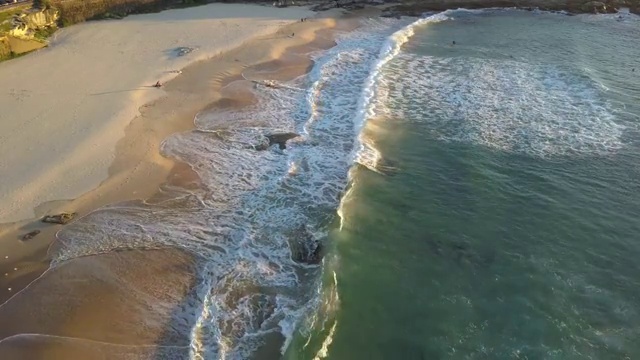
(453, 42)
(157, 84)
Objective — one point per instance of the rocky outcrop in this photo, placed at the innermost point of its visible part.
(278, 138)
(305, 249)
(42, 18)
(27, 24)
(348, 4)
(417, 8)
(309, 253)
(281, 139)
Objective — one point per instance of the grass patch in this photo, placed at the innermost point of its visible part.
(13, 55)
(8, 14)
(44, 33)
(5, 19)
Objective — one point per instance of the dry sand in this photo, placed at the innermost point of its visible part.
(97, 306)
(63, 109)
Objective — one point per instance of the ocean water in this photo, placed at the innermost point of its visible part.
(494, 213)
(476, 200)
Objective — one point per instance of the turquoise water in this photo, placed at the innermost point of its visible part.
(501, 218)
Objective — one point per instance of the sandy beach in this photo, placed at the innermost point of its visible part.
(65, 107)
(67, 113)
(85, 127)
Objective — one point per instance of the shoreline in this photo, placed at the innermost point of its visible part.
(214, 83)
(201, 85)
(138, 168)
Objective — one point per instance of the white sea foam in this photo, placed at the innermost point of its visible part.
(256, 209)
(540, 110)
(366, 153)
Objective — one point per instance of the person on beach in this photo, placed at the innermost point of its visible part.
(158, 84)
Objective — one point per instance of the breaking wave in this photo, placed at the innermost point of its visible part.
(262, 212)
(506, 104)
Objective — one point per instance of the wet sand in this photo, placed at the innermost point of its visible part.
(103, 306)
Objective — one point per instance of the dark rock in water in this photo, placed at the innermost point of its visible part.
(316, 254)
(281, 139)
(324, 6)
(309, 253)
(346, 4)
(594, 6)
(305, 249)
(355, 6)
(419, 8)
(260, 147)
(30, 235)
(61, 219)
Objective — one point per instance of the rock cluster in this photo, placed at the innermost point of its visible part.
(277, 138)
(419, 7)
(348, 4)
(25, 25)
